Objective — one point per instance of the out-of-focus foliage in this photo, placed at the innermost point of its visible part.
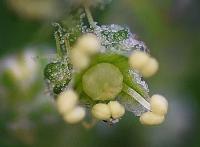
(27, 113)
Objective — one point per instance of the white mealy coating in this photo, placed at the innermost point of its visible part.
(150, 118)
(66, 101)
(138, 59)
(88, 44)
(150, 68)
(75, 115)
(117, 110)
(101, 111)
(159, 104)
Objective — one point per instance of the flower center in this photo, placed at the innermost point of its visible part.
(103, 81)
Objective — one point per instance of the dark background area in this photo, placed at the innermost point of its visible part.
(170, 28)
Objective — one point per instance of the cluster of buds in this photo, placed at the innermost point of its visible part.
(159, 107)
(112, 110)
(142, 62)
(67, 101)
(148, 66)
(100, 78)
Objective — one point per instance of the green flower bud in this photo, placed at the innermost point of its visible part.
(58, 74)
(56, 71)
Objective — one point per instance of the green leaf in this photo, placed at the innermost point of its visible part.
(115, 36)
(59, 86)
(59, 75)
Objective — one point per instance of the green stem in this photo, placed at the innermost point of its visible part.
(89, 16)
(136, 96)
(58, 49)
(67, 46)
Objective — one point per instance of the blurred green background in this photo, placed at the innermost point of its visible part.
(170, 28)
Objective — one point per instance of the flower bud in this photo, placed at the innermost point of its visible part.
(159, 104)
(150, 68)
(150, 118)
(79, 60)
(75, 115)
(88, 44)
(138, 59)
(66, 101)
(101, 111)
(116, 109)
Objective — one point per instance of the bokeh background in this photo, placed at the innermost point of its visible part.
(170, 28)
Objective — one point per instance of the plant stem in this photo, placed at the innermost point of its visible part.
(89, 16)
(67, 46)
(136, 96)
(58, 49)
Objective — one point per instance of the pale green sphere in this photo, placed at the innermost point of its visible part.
(102, 82)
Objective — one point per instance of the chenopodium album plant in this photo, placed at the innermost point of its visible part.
(99, 72)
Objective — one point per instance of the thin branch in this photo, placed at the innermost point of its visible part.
(89, 16)
(67, 46)
(58, 49)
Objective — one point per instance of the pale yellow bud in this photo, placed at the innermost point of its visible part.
(138, 59)
(88, 44)
(159, 104)
(150, 68)
(116, 109)
(66, 101)
(75, 115)
(101, 111)
(79, 60)
(150, 118)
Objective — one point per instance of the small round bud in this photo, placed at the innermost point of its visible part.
(138, 59)
(159, 104)
(66, 101)
(150, 118)
(101, 111)
(75, 115)
(150, 68)
(102, 81)
(116, 109)
(88, 44)
(79, 60)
